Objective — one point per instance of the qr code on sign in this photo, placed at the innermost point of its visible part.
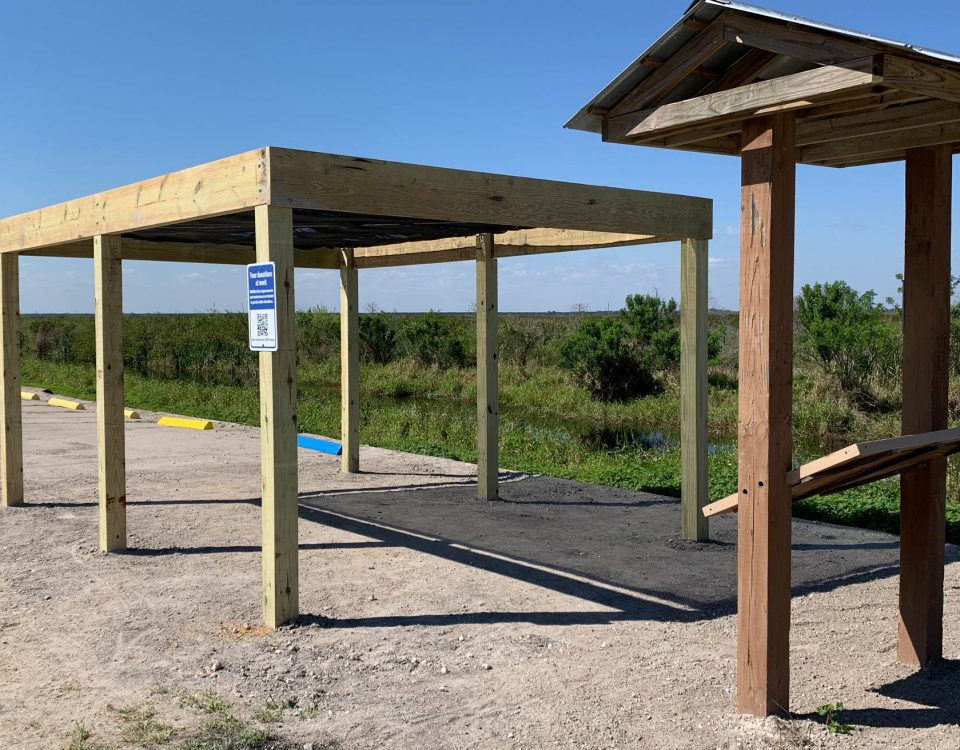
(263, 328)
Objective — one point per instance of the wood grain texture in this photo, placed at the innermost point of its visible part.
(674, 70)
(858, 464)
(187, 252)
(799, 89)
(219, 187)
(869, 145)
(926, 359)
(349, 363)
(488, 407)
(693, 388)
(278, 427)
(11, 437)
(765, 438)
(111, 450)
(812, 46)
(939, 81)
(303, 179)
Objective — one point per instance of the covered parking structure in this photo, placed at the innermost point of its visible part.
(314, 210)
(778, 90)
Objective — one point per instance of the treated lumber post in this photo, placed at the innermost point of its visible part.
(111, 462)
(926, 354)
(278, 426)
(349, 364)
(11, 437)
(488, 410)
(693, 388)
(766, 410)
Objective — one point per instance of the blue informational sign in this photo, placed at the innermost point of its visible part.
(262, 306)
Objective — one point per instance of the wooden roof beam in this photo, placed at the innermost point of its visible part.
(310, 180)
(220, 187)
(675, 70)
(813, 46)
(880, 143)
(789, 92)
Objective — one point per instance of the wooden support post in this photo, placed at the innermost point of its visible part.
(765, 434)
(488, 410)
(11, 437)
(926, 359)
(349, 364)
(111, 468)
(693, 388)
(278, 426)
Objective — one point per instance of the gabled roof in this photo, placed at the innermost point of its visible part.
(720, 45)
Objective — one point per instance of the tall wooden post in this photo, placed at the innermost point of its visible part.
(11, 436)
(926, 360)
(693, 388)
(766, 410)
(488, 409)
(349, 364)
(278, 426)
(111, 464)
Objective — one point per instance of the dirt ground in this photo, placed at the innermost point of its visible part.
(567, 616)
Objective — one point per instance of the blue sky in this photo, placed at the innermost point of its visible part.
(102, 93)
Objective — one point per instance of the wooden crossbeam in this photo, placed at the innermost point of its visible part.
(884, 142)
(922, 78)
(507, 245)
(219, 187)
(889, 120)
(303, 179)
(788, 92)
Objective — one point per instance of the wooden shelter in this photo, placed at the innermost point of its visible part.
(314, 210)
(777, 90)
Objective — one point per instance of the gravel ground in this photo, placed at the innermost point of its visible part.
(568, 616)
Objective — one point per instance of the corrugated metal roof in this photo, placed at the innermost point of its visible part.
(708, 10)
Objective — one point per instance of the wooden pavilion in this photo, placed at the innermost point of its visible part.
(777, 90)
(314, 210)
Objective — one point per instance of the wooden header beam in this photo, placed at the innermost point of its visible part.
(508, 245)
(305, 179)
(326, 182)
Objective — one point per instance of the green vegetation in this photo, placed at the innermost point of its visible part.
(590, 397)
(79, 738)
(830, 713)
(142, 728)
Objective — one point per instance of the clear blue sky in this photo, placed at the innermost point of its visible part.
(102, 93)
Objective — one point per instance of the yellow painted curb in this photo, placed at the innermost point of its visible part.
(64, 404)
(26, 396)
(131, 414)
(191, 424)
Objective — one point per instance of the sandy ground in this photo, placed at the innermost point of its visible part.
(568, 616)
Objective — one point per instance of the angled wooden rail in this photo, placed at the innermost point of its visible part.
(856, 465)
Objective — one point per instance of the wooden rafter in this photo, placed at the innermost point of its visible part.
(812, 46)
(674, 71)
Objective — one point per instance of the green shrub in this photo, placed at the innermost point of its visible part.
(599, 355)
(653, 327)
(433, 341)
(378, 339)
(849, 335)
